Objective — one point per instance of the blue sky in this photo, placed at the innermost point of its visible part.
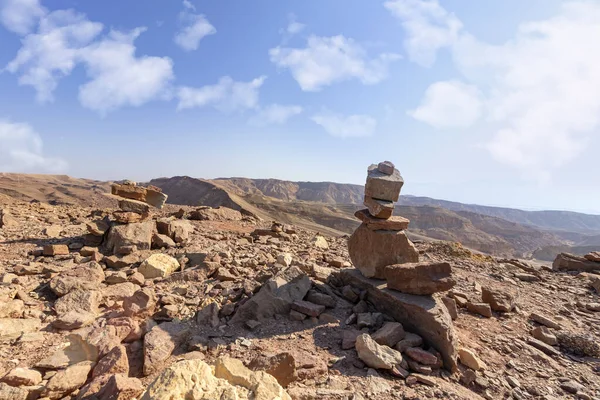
(483, 102)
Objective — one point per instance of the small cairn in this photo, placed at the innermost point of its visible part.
(136, 201)
(380, 240)
(379, 248)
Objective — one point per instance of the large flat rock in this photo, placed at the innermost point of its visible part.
(425, 315)
(570, 262)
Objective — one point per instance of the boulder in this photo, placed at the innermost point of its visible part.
(382, 186)
(375, 355)
(97, 228)
(77, 309)
(179, 230)
(121, 387)
(141, 304)
(195, 379)
(275, 296)
(114, 362)
(425, 315)
(8, 392)
(162, 241)
(160, 342)
(79, 349)
(570, 262)
(67, 381)
(376, 224)
(158, 266)
(84, 277)
(502, 300)
(422, 279)
(22, 377)
(12, 328)
(372, 251)
(136, 234)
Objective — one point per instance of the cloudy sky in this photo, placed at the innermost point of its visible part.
(476, 101)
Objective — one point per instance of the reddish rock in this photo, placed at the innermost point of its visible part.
(570, 262)
(129, 191)
(308, 308)
(142, 303)
(282, 366)
(593, 256)
(482, 309)
(121, 387)
(372, 251)
(390, 334)
(387, 167)
(159, 344)
(375, 224)
(56, 250)
(114, 362)
(421, 279)
(421, 356)
(502, 300)
(379, 208)
(382, 186)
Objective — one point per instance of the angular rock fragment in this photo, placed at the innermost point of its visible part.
(482, 309)
(593, 256)
(158, 266)
(502, 300)
(389, 334)
(375, 355)
(308, 308)
(160, 342)
(421, 279)
(121, 387)
(570, 262)
(138, 207)
(282, 366)
(84, 277)
(469, 359)
(135, 234)
(56, 250)
(68, 380)
(77, 309)
(379, 208)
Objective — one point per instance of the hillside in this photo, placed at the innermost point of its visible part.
(329, 207)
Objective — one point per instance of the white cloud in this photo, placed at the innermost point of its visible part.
(226, 96)
(541, 88)
(20, 16)
(194, 28)
(449, 104)
(21, 150)
(345, 126)
(327, 60)
(428, 26)
(52, 52)
(119, 78)
(66, 39)
(294, 27)
(275, 114)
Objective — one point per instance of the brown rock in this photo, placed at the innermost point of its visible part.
(482, 309)
(543, 334)
(371, 251)
(382, 186)
(85, 277)
(114, 362)
(22, 377)
(349, 338)
(6, 391)
(7, 220)
(593, 256)
(162, 241)
(450, 304)
(502, 300)
(570, 262)
(155, 197)
(469, 359)
(419, 279)
(308, 308)
(160, 342)
(375, 355)
(379, 208)
(410, 340)
(121, 387)
(97, 228)
(282, 366)
(424, 315)
(544, 320)
(128, 217)
(134, 206)
(390, 334)
(421, 356)
(136, 234)
(141, 304)
(76, 309)
(386, 167)
(56, 250)
(129, 191)
(375, 224)
(275, 296)
(68, 380)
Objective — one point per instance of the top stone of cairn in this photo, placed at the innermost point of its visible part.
(383, 185)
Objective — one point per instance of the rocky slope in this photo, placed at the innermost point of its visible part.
(271, 309)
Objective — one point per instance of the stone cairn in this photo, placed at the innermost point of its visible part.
(136, 201)
(380, 249)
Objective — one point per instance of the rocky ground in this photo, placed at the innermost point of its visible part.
(93, 312)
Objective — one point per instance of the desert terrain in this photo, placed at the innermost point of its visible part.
(104, 296)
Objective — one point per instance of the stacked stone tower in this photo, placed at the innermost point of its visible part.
(380, 240)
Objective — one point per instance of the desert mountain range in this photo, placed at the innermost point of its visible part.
(329, 207)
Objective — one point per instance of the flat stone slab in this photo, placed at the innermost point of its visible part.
(379, 208)
(420, 278)
(424, 315)
(570, 262)
(376, 224)
(381, 186)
